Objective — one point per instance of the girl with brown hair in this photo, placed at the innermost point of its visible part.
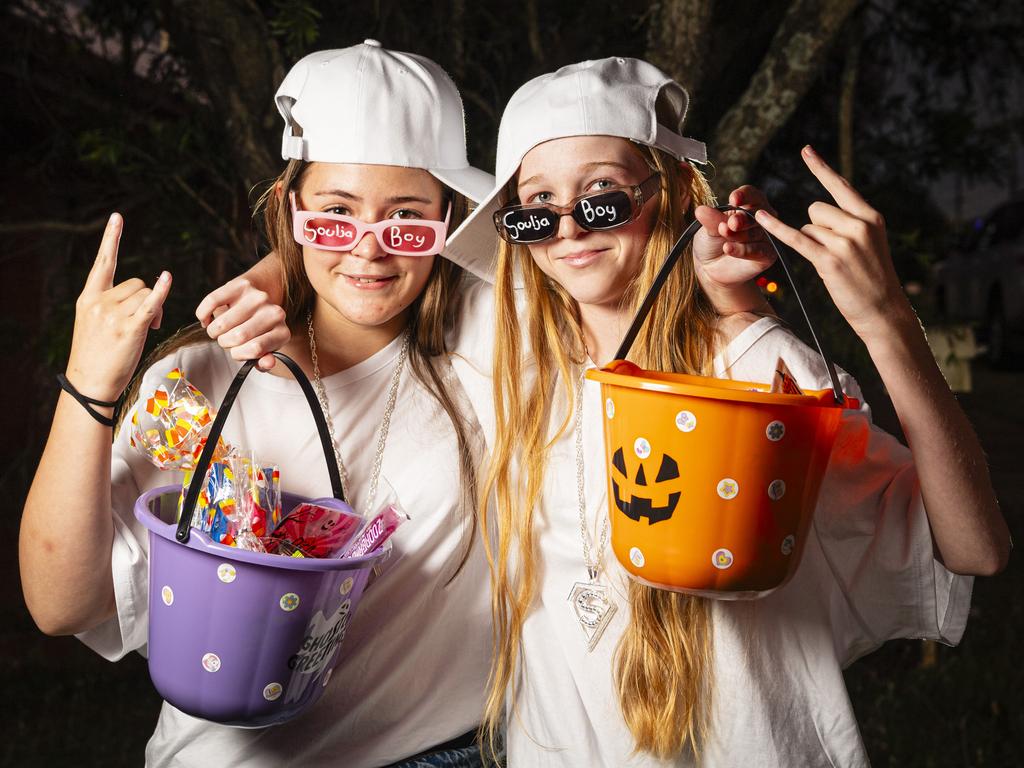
(358, 217)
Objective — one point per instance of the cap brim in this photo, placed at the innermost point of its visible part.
(473, 246)
(469, 181)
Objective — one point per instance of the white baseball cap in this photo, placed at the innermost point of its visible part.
(617, 96)
(366, 104)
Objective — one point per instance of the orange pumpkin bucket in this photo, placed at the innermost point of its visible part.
(712, 483)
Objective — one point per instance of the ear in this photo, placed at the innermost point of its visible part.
(686, 174)
(279, 190)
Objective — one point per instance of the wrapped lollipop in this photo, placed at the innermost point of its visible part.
(239, 502)
(170, 424)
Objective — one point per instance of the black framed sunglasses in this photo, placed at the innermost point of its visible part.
(594, 211)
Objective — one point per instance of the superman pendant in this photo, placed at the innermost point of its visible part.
(593, 608)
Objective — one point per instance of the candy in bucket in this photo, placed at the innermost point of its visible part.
(240, 499)
(242, 637)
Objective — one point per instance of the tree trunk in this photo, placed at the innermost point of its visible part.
(233, 58)
(847, 93)
(781, 81)
(677, 40)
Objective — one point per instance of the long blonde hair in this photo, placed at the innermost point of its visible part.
(663, 662)
(432, 316)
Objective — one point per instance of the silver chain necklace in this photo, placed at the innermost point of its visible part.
(385, 424)
(591, 600)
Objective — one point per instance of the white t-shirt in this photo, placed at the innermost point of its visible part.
(868, 574)
(417, 652)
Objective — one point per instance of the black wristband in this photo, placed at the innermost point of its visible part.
(87, 402)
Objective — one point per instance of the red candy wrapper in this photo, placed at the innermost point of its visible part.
(783, 381)
(376, 532)
(319, 528)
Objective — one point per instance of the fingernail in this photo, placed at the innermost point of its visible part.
(164, 277)
(809, 151)
(761, 213)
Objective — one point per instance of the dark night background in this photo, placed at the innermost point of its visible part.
(163, 110)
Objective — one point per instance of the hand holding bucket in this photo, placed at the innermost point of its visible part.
(238, 637)
(712, 483)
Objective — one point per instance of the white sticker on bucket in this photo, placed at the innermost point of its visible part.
(211, 662)
(776, 489)
(289, 601)
(728, 488)
(636, 557)
(686, 421)
(226, 572)
(167, 595)
(775, 431)
(642, 448)
(722, 559)
(272, 691)
(787, 544)
(346, 586)
(609, 408)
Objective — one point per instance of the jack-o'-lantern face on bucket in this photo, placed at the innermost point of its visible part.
(649, 487)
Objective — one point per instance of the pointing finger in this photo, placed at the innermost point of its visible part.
(101, 275)
(842, 192)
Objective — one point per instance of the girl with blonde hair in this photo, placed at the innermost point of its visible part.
(594, 183)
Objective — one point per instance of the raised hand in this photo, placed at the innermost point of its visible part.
(731, 249)
(111, 322)
(848, 247)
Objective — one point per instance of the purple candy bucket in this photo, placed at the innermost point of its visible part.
(237, 637)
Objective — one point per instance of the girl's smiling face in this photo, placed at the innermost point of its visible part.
(594, 267)
(367, 286)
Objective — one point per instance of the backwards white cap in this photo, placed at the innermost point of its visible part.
(366, 104)
(620, 97)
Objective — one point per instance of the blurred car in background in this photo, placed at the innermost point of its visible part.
(981, 282)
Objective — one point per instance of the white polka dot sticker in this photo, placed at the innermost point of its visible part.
(346, 586)
(686, 421)
(721, 559)
(642, 448)
(775, 431)
(289, 601)
(226, 572)
(211, 662)
(609, 408)
(272, 691)
(167, 595)
(327, 677)
(728, 488)
(636, 557)
(787, 544)
(776, 489)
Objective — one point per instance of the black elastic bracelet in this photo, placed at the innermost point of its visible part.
(87, 402)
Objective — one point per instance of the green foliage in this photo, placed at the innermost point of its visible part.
(297, 23)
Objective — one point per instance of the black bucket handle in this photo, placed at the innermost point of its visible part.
(666, 269)
(199, 473)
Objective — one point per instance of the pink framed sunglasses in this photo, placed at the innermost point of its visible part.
(401, 237)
